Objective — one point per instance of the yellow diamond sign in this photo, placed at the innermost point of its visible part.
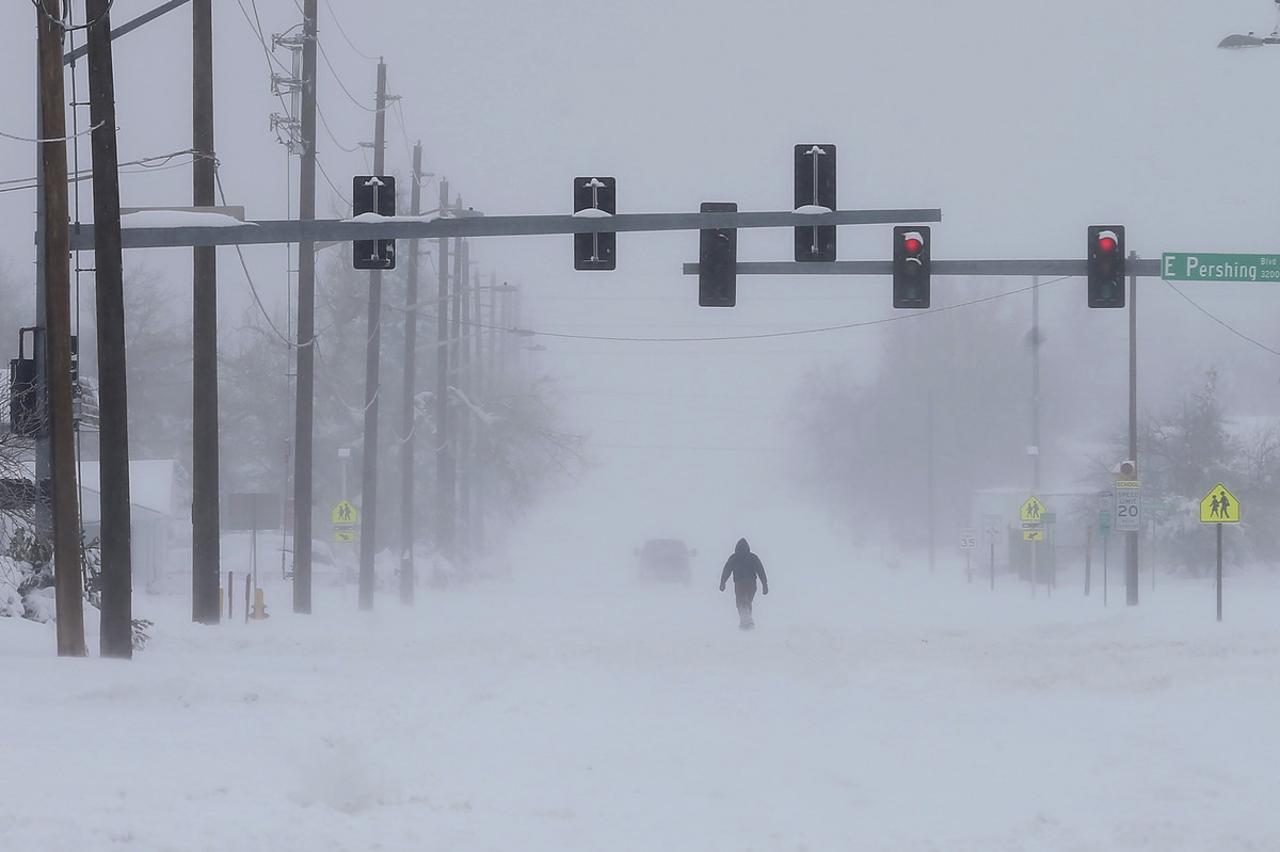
(344, 515)
(1219, 506)
(1032, 512)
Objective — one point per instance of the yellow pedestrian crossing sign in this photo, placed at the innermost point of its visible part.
(1032, 512)
(1219, 506)
(344, 515)
(1033, 535)
(344, 535)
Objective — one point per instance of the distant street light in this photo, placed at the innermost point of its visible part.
(1251, 39)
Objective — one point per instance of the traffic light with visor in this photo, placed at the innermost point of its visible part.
(1106, 266)
(911, 266)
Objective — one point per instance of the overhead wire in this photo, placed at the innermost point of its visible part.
(337, 23)
(1240, 334)
(792, 332)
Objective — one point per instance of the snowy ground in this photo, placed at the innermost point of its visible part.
(871, 710)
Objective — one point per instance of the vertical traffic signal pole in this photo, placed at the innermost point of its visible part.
(116, 630)
(444, 458)
(480, 395)
(304, 410)
(932, 464)
(408, 417)
(372, 357)
(1131, 538)
(57, 339)
(466, 470)
(205, 603)
(455, 370)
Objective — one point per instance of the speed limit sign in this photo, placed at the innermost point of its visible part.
(968, 539)
(1128, 506)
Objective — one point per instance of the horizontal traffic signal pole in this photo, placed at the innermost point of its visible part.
(1149, 268)
(274, 231)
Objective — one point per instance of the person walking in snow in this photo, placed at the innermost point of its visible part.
(745, 566)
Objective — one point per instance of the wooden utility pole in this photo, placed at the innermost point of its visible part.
(117, 577)
(205, 526)
(306, 381)
(56, 256)
(444, 435)
(372, 357)
(409, 417)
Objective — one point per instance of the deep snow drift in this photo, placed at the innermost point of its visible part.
(571, 709)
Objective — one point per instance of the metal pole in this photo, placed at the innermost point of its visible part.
(408, 418)
(116, 631)
(993, 563)
(1131, 538)
(305, 387)
(455, 332)
(205, 569)
(57, 342)
(1035, 416)
(932, 481)
(1105, 591)
(466, 470)
(1219, 526)
(1035, 385)
(479, 391)
(443, 437)
(372, 358)
(1088, 558)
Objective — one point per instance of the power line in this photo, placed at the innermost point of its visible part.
(329, 132)
(794, 332)
(345, 199)
(66, 28)
(17, 138)
(1240, 334)
(346, 37)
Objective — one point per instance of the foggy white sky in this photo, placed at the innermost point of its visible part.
(1025, 120)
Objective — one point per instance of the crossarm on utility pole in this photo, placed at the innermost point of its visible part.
(126, 28)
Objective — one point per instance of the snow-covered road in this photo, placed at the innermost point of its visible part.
(869, 711)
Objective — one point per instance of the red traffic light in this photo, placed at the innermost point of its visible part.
(913, 245)
(1107, 244)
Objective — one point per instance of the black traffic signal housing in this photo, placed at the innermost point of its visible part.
(1106, 266)
(24, 401)
(911, 266)
(718, 260)
(815, 185)
(373, 194)
(595, 197)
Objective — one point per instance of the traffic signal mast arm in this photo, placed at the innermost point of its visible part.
(1149, 268)
(274, 231)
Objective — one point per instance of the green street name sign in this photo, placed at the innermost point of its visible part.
(1185, 266)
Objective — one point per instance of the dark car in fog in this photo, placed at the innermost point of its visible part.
(665, 560)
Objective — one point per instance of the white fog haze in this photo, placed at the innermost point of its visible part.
(526, 618)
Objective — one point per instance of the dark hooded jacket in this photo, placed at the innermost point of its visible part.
(745, 566)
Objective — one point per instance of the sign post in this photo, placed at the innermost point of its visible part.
(968, 541)
(1219, 507)
(993, 530)
(1033, 514)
